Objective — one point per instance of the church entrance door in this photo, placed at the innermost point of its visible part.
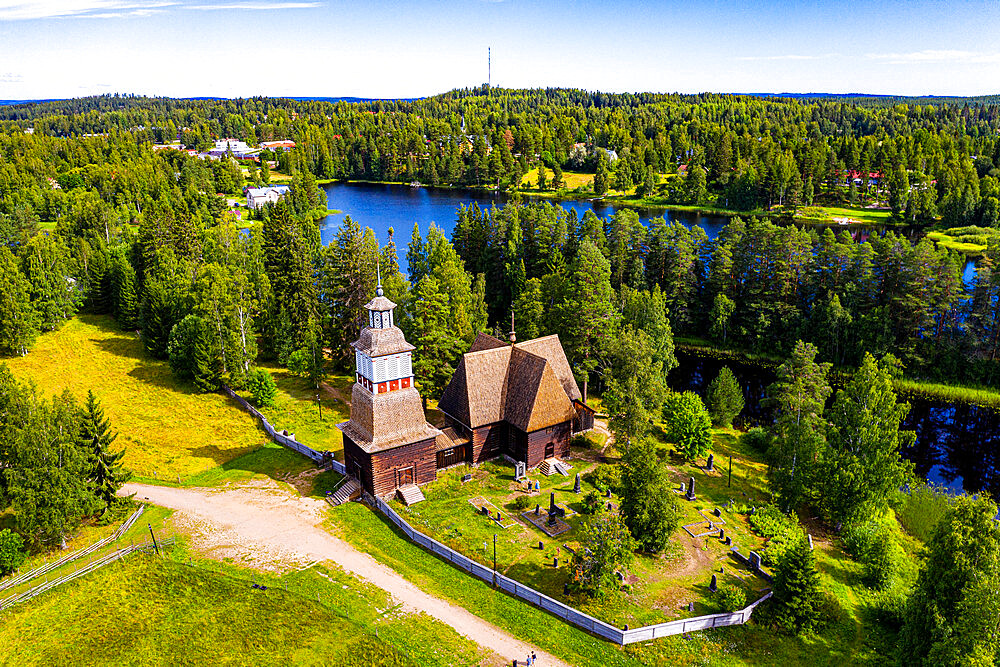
(404, 476)
(550, 450)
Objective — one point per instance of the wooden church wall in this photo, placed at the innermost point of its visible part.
(421, 456)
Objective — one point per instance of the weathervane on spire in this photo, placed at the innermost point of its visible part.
(378, 272)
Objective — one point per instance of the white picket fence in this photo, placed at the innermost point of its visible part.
(558, 609)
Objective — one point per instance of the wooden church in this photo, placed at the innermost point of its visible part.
(516, 400)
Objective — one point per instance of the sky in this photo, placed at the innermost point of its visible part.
(416, 48)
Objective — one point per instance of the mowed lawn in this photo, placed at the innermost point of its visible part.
(167, 428)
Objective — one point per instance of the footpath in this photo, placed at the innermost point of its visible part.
(266, 523)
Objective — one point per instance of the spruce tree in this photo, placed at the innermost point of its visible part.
(96, 437)
(206, 358)
(649, 508)
(796, 588)
(18, 320)
(725, 398)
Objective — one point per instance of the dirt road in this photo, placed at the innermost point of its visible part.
(267, 525)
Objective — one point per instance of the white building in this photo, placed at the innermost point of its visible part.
(257, 197)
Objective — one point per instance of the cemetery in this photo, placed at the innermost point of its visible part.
(531, 526)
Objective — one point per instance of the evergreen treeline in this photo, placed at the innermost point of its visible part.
(924, 158)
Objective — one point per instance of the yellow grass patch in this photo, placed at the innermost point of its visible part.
(168, 429)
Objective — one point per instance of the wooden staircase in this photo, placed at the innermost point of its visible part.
(349, 490)
(410, 494)
(553, 466)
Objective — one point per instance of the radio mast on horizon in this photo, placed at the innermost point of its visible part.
(489, 68)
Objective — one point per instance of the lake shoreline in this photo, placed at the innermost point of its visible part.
(984, 397)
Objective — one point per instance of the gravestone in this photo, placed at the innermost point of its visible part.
(519, 470)
(690, 491)
(610, 506)
(619, 576)
(552, 509)
(576, 484)
(541, 545)
(809, 535)
(485, 511)
(607, 493)
(466, 478)
(538, 510)
(711, 462)
(714, 586)
(755, 560)
(729, 540)
(499, 518)
(690, 606)
(722, 533)
(555, 561)
(717, 512)
(683, 487)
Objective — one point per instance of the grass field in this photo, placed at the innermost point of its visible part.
(151, 611)
(969, 240)
(167, 429)
(571, 179)
(852, 214)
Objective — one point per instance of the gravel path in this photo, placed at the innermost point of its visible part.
(267, 525)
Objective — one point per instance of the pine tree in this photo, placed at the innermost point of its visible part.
(725, 398)
(124, 304)
(796, 588)
(798, 396)
(433, 336)
(96, 437)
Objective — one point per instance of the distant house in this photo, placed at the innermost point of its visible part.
(285, 145)
(874, 177)
(257, 197)
(612, 155)
(239, 149)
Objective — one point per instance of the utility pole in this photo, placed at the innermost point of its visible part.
(730, 470)
(494, 560)
(319, 405)
(155, 545)
(489, 68)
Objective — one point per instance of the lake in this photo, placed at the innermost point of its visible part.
(383, 207)
(957, 445)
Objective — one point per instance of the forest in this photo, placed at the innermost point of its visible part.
(92, 219)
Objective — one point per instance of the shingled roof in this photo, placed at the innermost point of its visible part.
(529, 385)
(383, 421)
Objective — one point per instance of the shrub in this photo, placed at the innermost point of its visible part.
(522, 502)
(12, 553)
(592, 502)
(606, 476)
(731, 597)
(921, 509)
(262, 387)
(882, 562)
(887, 609)
(687, 425)
(756, 439)
(781, 531)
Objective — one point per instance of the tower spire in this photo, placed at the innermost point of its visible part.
(513, 337)
(378, 272)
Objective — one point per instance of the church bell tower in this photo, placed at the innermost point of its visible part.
(387, 441)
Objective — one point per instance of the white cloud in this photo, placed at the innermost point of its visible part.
(271, 6)
(11, 77)
(935, 56)
(16, 10)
